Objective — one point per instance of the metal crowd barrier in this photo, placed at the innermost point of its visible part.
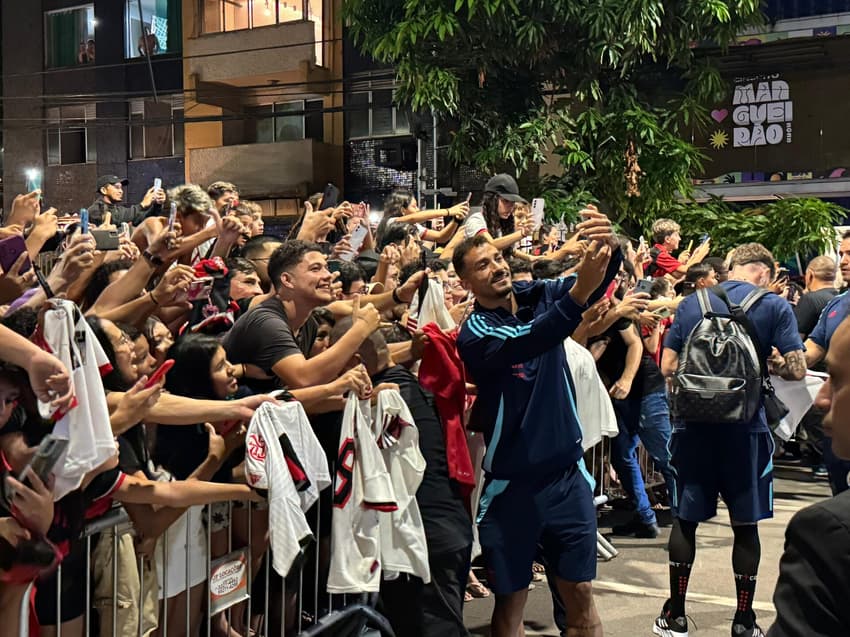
(598, 462)
(228, 583)
(230, 578)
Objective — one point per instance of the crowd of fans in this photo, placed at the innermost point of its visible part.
(458, 309)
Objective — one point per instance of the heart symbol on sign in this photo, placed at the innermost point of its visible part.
(718, 115)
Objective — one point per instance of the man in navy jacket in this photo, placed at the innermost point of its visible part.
(537, 490)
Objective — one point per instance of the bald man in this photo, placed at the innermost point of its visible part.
(820, 289)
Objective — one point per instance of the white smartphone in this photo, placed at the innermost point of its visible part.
(538, 205)
(157, 183)
(357, 239)
(172, 216)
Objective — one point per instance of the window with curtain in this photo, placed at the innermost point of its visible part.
(69, 37)
(158, 30)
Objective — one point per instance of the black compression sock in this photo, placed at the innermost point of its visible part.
(682, 550)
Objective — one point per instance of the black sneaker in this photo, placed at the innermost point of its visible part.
(739, 630)
(668, 626)
(637, 528)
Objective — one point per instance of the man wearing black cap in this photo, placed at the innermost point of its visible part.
(496, 219)
(110, 189)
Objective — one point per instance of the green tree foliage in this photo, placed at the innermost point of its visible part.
(787, 226)
(587, 77)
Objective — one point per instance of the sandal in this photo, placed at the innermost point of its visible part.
(478, 590)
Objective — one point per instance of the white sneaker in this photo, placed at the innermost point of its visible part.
(669, 626)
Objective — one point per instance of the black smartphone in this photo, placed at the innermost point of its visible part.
(644, 285)
(330, 198)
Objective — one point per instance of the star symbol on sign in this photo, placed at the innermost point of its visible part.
(719, 139)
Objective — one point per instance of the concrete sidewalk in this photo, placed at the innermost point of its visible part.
(631, 588)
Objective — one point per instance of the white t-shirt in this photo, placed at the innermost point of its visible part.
(475, 225)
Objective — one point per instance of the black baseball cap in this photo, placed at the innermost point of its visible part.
(505, 186)
(106, 180)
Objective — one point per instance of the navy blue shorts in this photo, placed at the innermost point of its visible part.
(735, 464)
(556, 514)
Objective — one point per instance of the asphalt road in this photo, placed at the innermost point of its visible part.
(631, 588)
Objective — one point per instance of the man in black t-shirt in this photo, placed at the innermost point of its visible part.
(413, 608)
(278, 333)
(638, 395)
(820, 290)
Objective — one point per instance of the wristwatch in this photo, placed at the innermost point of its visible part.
(152, 258)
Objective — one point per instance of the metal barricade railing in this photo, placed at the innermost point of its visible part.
(290, 606)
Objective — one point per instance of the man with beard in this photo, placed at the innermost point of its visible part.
(536, 489)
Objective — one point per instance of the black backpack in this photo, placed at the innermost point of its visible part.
(720, 378)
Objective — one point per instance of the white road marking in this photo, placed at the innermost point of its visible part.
(702, 598)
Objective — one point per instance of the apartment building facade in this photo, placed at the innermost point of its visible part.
(263, 97)
(79, 96)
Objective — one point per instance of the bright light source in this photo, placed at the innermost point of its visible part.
(375, 218)
(33, 173)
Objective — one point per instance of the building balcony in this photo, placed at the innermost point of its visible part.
(279, 169)
(230, 69)
(280, 53)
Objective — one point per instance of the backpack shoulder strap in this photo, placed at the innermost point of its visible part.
(739, 313)
(752, 298)
(704, 301)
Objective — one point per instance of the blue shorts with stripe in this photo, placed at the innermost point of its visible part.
(735, 464)
(555, 514)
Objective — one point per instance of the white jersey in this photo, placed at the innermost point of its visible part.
(433, 309)
(403, 545)
(362, 489)
(284, 456)
(86, 425)
(596, 415)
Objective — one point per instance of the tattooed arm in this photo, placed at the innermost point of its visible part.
(792, 366)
